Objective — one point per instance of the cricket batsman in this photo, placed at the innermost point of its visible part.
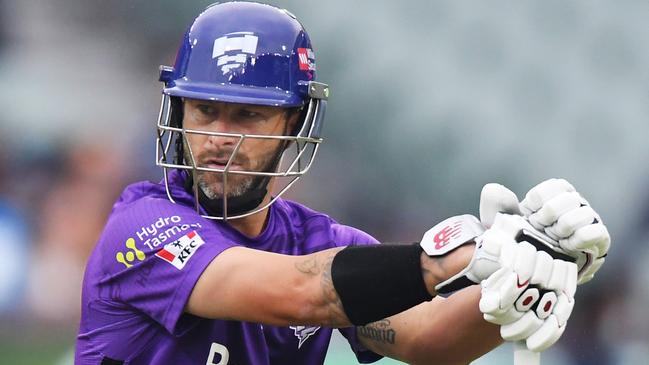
(209, 266)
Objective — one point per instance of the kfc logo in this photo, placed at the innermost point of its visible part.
(180, 251)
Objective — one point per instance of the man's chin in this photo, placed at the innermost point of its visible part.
(215, 190)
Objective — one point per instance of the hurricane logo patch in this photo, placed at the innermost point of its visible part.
(303, 333)
(232, 50)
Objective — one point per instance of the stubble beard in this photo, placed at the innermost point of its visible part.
(212, 183)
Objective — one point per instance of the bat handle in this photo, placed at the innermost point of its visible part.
(523, 356)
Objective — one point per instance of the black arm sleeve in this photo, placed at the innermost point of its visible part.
(374, 282)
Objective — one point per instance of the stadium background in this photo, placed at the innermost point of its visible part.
(430, 100)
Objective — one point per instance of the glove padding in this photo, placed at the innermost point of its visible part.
(531, 296)
(495, 248)
(556, 209)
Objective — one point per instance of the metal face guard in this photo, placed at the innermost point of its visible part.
(296, 159)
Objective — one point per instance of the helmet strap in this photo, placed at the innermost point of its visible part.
(176, 120)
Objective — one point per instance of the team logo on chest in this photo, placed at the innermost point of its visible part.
(303, 333)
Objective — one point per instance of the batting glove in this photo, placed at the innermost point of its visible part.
(556, 209)
(531, 297)
(495, 247)
(457, 231)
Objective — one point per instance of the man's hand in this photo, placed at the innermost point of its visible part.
(494, 248)
(448, 236)
(556, 209)
(530, 297)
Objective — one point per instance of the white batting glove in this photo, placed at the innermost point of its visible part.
(556, 208)
(459, 230)
(494, 247)
(455, 232)
(531, 297)
(494, 199)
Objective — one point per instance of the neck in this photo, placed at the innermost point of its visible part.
(252, 225)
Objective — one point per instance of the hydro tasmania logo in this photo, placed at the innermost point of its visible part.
(233, 49)
(303, 333)
(180, 251)
(131, 254)
(162, 229)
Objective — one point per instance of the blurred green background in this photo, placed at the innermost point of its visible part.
(430, 100)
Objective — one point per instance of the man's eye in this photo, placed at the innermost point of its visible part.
(206, 109)
(247, 114)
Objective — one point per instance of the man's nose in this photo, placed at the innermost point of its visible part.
(225, 126)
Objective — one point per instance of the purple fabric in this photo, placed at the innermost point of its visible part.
(133, 296)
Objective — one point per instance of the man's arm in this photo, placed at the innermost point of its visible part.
(442, 331)
(453, 331)
(257, 286)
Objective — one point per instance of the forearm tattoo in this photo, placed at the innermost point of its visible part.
(321, 265)
(308, 266)
(379, 331)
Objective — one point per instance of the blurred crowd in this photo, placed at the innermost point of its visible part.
(418, 121)
(54, 207)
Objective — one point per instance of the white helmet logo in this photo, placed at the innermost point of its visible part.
(232, 49)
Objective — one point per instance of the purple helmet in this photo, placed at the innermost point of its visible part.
(247, 53)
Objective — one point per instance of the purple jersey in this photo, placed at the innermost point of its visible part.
(144, 267)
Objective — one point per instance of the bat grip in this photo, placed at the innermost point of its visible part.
(523, 356)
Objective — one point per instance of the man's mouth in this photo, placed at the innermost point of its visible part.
(220, 164)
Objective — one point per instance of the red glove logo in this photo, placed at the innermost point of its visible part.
(443, 237)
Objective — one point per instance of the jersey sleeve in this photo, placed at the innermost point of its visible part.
(152, 254)
(346, 236)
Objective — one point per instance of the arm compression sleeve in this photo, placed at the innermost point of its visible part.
(374, 282)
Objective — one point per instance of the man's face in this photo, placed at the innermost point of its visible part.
(214, 152)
